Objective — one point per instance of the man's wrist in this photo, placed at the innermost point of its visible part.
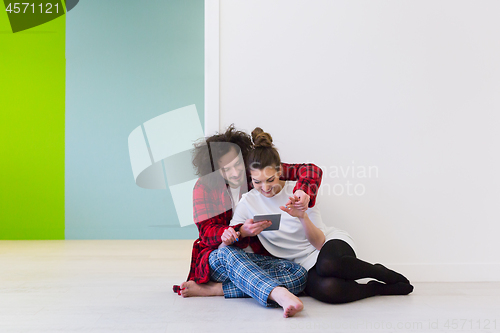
(221, 232)
(239, 228)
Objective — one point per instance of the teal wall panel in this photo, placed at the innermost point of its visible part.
(127, 62)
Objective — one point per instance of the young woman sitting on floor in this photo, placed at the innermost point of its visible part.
(326, 252)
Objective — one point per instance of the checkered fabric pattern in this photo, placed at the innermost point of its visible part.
(249, 274)
(208, 200)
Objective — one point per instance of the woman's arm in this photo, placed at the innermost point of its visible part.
(313, 234)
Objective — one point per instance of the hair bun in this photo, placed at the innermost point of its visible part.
(261, 138)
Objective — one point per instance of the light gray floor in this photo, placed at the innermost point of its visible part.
(126, 286)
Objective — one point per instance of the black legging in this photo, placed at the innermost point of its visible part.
(331, 280)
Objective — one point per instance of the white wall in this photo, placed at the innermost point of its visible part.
(410, 87)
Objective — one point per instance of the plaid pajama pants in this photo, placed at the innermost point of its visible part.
(252, 275)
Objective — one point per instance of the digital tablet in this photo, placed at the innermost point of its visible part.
(274, 218)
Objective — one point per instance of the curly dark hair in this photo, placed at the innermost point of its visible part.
(206, 152)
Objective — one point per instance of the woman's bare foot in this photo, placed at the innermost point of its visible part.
(290, 303)
(192, 289)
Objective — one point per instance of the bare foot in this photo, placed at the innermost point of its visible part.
(290, 303)
(192, 289)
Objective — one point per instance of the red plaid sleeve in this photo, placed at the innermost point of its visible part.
(308, 177)
(209, 215)
(212, 214)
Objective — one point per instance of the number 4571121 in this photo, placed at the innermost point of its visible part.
(31, 8)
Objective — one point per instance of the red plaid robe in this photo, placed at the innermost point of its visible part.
(217, 199)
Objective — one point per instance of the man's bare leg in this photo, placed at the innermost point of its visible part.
(192, 289)
(290, 303)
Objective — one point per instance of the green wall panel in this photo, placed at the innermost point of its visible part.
(32, 103)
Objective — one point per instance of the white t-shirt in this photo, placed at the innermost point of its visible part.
(235, 196)
(289, 242)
